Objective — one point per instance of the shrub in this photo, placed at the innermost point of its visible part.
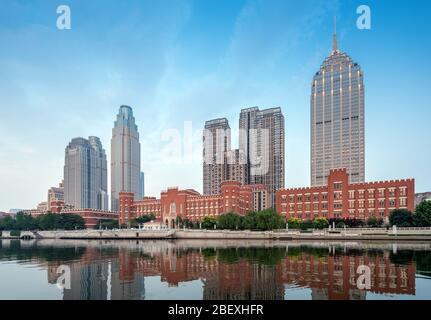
(320, 223)
(294, 223)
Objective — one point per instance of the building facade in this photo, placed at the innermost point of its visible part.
(337, 118)
(85, 175)
(190, 204)
(142, 186)
(125, 156)
(262, 140)
(216, 143)
(236, 166)
(55, 194)
(339, 198)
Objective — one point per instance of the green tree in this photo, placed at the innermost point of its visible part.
(230, 221)
(188, 224)
(320, 223)
(374, 222)
(71, 222)
(250, 221)
(307, 224)
(7, 223)
(24, 221)
(48, 221)
(294, 223)
(422, 217)
(109, 224)
(269, 220)
(209, 223)
(401, 218)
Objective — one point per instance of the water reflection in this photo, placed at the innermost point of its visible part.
(255, 270)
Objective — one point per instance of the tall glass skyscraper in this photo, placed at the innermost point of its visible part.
(85, 174)
(337, 118)
(125, 156)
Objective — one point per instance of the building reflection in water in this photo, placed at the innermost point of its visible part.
(230, 273)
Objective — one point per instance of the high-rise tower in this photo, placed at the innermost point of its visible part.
(125, 156)
(85, 174)
(261, 139)
(337, 118)
(216, 144)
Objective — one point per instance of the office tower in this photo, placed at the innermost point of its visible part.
(125, 156)
(101, 173)
(337, 118)
(84, 176)
(262, 141)
(216, 143)
(142, 186)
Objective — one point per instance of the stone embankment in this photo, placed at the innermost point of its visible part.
(401, 234)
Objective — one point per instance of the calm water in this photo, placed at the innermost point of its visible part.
(190, 269)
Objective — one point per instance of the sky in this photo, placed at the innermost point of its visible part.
(180, 63)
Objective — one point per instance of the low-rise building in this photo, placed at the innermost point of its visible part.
(4, 214)
(424, 196)
(342, 199)
(190, 204)
(92, 217)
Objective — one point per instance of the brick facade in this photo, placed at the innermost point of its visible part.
(341, 199)
(190, 204)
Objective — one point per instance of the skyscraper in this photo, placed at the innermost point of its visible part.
(85, 174)
(262, 139)
(216, 144)
(337, 118)
(125, 156)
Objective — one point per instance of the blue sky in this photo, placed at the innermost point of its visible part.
(177, 61)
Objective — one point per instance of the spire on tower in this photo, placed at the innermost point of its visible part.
(334, 48)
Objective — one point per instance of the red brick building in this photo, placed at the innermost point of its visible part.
(92, 217)
(341, 199)
(190, 204)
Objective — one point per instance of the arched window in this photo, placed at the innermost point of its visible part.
(173, 208)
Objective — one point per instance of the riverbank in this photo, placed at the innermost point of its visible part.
(366, 234)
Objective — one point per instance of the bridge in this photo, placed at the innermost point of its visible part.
(26, 235)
